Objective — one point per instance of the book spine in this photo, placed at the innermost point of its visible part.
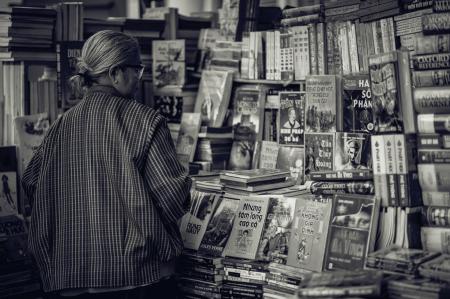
(431, 78)
(432, 100)
(441, 5)
(434, 177)
(251, 61)
(401, 170)
(353, 48)
(433, 123)
(321, 59)
(431, 61)
(436, 198)
(391, 33)
(329, 49)
(384, 35)
(302, 20)
(436, 23)
(370, 39)
(345, 51)
(277, 47)
(379, 169)
(391, 163)
(268, 60)
(312, 33)
(432, 44)
(302, 10)
(406, 97)
(434, 156)
(337, 55)
(436, 216)
(431, 141)
(362, 175)
(408, 26)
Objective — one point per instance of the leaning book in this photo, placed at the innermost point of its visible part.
(187, 138)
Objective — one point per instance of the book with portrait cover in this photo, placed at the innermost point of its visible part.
(323, 105)
(169, 65)
(67, 54)
(309, 233)
(213, 97)
(357, 104)
(187, 138)
(384, 78)
(193, 224)
(13, 240)
(352, 230)
(274, 243)
(292, 159)
(319, 152)
(247, 227)
(248, 116)
(219, 228)
(353, 151)
(8, 183)
(291, 118)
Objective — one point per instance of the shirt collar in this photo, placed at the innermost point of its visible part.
(104, 89)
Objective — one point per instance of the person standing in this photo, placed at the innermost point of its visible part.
(106, 187)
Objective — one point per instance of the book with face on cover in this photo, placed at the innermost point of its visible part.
(292, 159)
(187, 138)
(291, 118)
(352, 151)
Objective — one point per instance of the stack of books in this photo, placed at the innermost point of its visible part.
(342, 10)
(437, 269)
(416, 288)
(302, 15)
(26, 32)
(283, 280)
(199, 276)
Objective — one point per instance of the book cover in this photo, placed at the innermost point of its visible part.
(269, 154)
(213, 97)
(351, 232)
(8, 177)
(169, 66)
(67, 54)
(274, 244)
(172, 103)
(321, 104)
(187, 138)
(319, 152)
(13, 240)
(247, 227)
(219, 228)
(435, 239)
(202, 206)
(352, 151)
(385, 93)
(291, 118)
(309, 233)
(292, 159)
(357, 104)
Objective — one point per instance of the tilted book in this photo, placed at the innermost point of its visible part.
(351, 236)
(187, 138)
(291, 118)
(309, 233)
(247, 227)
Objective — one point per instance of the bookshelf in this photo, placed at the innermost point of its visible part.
(259, 81)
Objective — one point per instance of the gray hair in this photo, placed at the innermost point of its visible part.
(102, 51)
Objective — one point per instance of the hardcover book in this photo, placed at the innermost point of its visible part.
(319, 152)
(274, 244)
(322, 104)
(219, 228)
(247, 227)
(187, 138)
(352, 152)
(432, 100)
(357, 104)
(254, 175)
(193, 228)
(169, 66)
(385, 93)
(213, 97)
(292, 159)
(291, 118)
(351, 236)
(309, 233)
(8, 176)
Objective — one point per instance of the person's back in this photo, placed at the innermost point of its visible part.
(107, 189)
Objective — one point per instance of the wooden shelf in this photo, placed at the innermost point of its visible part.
(259, 81)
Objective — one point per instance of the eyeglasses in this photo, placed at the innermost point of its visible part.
(138, 67)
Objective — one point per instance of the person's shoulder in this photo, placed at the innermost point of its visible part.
(145, 113)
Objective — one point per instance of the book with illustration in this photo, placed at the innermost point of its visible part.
(169, 65)
(171, 103)
(14, 237)
(292, 159)
(319, 152)
(219, 228)
(187, 138)
(274, 243)
(351, 235)
(291, 118)
(9, 182)
(247, 227)
(353, 152)
(309, 233)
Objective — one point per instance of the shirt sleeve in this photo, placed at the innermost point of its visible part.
(168, 180)
(31, 174)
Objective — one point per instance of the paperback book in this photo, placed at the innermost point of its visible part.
(319, 152)
(357, 104)
(9, 183)
(268, 154)
(187, 138)
(67, 54)
(169, 66)
(291, 118)
(292, 159)
(352, 151)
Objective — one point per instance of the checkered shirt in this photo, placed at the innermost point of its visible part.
(106, 191)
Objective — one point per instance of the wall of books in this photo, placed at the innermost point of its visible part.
(317, 136)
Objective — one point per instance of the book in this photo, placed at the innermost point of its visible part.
(300, 43)
(248, 119)
(268, 154)
(292, 159)
(219, 228)
(169, 66)
(351, 236)
(433, 156)
(319, 152)
(9, 204)
(436, 198)
(171, 103)
(436, 23)
(357, 104)
(436, 216)
(322, 104)
(432, 100)
(352, 151)
(433, 123)
(437, 269)
(309, 234)
(433, 141)
(67, 54)
(383, 71)
(187, 138)
(202, 206)
(431, 78)
(254, 175)
(274, 243)
(213, 97)
(417, 287)
(14, 236)
(434, 177)
(435, 239)
(431, 61)
(331, 188)
(247, 227)
(291, 118)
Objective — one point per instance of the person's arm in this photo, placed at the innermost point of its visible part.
(31, 174)
(167, 179)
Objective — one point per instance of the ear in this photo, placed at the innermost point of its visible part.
(115, 74)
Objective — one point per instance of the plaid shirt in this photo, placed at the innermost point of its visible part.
(107, 191)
